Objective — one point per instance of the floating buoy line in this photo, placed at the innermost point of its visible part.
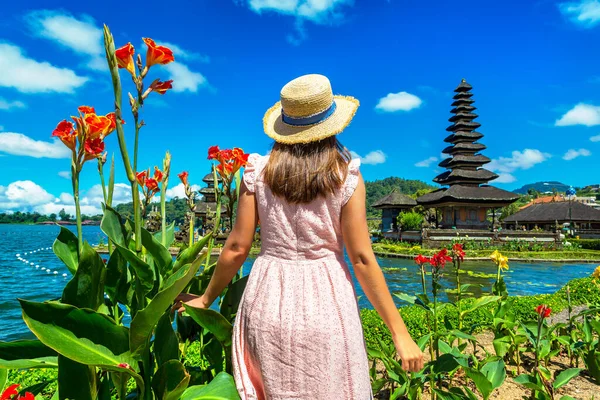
(28, 262)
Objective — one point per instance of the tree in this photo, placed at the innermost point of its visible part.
(64, 216)
(508, 211)
(52, 217)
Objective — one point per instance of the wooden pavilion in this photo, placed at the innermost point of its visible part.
(467, 199)
(391, 206)
(553, 215)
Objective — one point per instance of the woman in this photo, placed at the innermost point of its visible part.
(297, 333)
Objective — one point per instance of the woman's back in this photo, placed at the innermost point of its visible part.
(299, 231)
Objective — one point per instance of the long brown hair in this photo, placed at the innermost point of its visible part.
(299, 173)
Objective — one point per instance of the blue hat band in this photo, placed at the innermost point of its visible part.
(311, 119)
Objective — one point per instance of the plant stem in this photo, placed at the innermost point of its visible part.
(75, 181)
(163, 210)
(423, 283)
(192, 217)
(104, 195)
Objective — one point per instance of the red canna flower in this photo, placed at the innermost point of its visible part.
(93, 148)
(421, 259)
(543, 310)
(439, 259)
(28, 396)
(213, 152)
(141, 177)
(86, 110)
(10, 392)
(184, 177)
(225, 155)
(97, 125)
(113, 123)
(125, 58)
(161, 87)
(158, 175)
(157, 54)
(240, 159)
(458, 251)
(152, 185)
(224, 169)
(64, 131)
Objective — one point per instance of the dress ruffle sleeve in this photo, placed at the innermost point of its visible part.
(251, 170)
(351, 180)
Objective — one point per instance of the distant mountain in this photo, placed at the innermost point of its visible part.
(543, 187)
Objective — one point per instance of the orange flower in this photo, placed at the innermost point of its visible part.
(93, 148)
(161, 87)
(113, 123)
(184, 177)
(97, 125)
(240, 159)
(86, 110)
(125, 58)
(225, 155)
(213, 152)
(157, 54)
(224, 169)
(543, 311)
(64, 131)
(152, 185)
(141, 178)
(158, 175)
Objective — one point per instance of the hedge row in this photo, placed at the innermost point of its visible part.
(588, 244)
(583, 291)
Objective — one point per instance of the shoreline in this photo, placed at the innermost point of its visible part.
(527, 259)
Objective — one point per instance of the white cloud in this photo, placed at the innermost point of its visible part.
(9, 105)
(179, 191)
(585, 13)
(183, 54)
(572, 154)
(401, 101)
(427, 162)
(321, 12)
(519, 160)
(65, 174)
(20, 145)
(505, 178)
(30, 76)
(184, 79)
(581, 114)
(595, 138)
(373, 158)
(79, 35)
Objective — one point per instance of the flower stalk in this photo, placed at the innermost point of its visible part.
(163, 194)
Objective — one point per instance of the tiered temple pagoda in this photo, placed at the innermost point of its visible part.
(208, 204)
(465, 200)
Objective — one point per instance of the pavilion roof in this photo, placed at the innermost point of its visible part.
(462, 193)
(556, 211)
(395, 199)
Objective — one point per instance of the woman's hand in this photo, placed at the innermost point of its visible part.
(410, 354)
(191, 300)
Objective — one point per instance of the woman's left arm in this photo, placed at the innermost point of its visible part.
(234, 252)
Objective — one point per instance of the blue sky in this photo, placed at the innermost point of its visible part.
(534, 66)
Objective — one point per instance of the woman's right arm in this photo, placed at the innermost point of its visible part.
(358, 245)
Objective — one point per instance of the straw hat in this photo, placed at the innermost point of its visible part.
(308, 111)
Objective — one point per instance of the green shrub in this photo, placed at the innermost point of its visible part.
(410, 221)
(588, 244)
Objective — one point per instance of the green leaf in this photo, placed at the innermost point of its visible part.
(592, 362)
(117, 279)
(26, 354)
(231, 301)
(188, 255)
(144, 272)
(79, 334)
(444, 347)
(170, 380)
(170, 235)
(495, 372)
(529, 382)
(145, 320)
(212, 321)
(481, 302)
(112, 226)
(166, 345)
(423, 341)
(502, 345)
(564, 377)
(444, 364)
(220, 388)
(75, 380)
(462, 335)
(160, 254)
(34, 389)
(484, 386)
(86, 288)
(65, 247)
(3, 378)
(466, 286)
(451, 395)
(567, 398)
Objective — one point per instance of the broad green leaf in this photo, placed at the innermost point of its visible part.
(161, 255)
(567, 398)
(444, 347)
(144, 272)
(65, 247)
(495, 372)
(502, 345)
(170, 235)
(170, 380)
(220, 388)
(75, 380)
(117, 278)
(423, 341)
(443, 395)
(112, 226)
(592, 362)
(26, 354)
(145, 320)
(529, 382)
(166, 345)
(467, 286)
(484, 386)
(231, 301)
(444, 364)
(191, 253)
(79, 334)
(481, 302)
(462, 335)
(3, 378)
(564, 377)
(86, 288)
(212, 321)
(375, 353)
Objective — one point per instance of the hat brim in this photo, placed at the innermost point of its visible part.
(281, 132)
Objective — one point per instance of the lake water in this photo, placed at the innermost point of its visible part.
(31, 280)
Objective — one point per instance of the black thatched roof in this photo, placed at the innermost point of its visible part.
(463, 135)
(464, 147)
(555, 211)
(202, 206)
(207, 191)
(466, 194)
(464, 160)
(463, 108)
(463, 125)
(462, 102)
(462, 116)
(209, 178)
(458, 176)
(395, 200)
(463, 86)
(462, 95)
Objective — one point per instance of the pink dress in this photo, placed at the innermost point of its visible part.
(298, 334)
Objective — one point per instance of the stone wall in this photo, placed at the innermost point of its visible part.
(434, 238)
